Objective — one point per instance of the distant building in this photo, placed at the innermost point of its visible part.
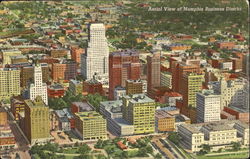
(17, 106)
(76, 87)
(65, 70)
(9, 83)
(76, 54)
(168, 118)
(153, 72)
(235, 113)
(134, 87)
(38, 88)
(58, 53)
(170, 98)
(92, 86)
(6, 55)
(37, 122)
(219, 134)
(27, 74)
(123, 65)
(119, 92)
(55, 90)
(208, 106)
(90, 125)
(225, 45)
(81, 107)
(166, 79)
(233, 92)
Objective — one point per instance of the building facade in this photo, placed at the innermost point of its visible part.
(90, 125)
(166, 79)
(123, 65)
(95, 61)
(208, 106)
(219, 134)
(38, 88)
(153, 71)
(37, 122)
(134, 87)
(65, 70)
(139, 110)
(9, 83)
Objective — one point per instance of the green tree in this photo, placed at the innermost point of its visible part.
(158, 156)
(84, 149)
(174, 137)
(236, 146)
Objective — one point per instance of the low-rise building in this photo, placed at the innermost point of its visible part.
(81, 107)
(168, 118)
(17, 106)
(75, 87)
(220, 134)
(55, 91)
(7, 138)
(134, 86)
(119, 92)
(65, 120)
(115, 123)
(90, 125)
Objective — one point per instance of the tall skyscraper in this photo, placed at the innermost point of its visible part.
(95, 61)
(181, 66)
(123, 65)
(153, 71)
(191, 84)
(9, 82)
(38, 88)
(37, 125)
(208, 106)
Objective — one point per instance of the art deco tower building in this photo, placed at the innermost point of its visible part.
(95, 61)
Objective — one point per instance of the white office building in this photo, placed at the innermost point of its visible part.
(38, 88)
(233, 92)
(95, 61)
(208, 106)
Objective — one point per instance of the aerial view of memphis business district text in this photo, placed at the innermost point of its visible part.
(133, 79)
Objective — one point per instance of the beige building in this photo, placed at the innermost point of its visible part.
(90, 125)
(166, 79)
(37, 122)
(233, 92)
(218, 134)
(6, 55)
(9, 82)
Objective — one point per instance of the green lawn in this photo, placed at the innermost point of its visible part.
(229, 156)
(70, 150)
(132, 153)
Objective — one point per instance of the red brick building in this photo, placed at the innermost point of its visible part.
(55, 91)
(226, 45)
(65, 70)
(123, 65)
(92, 87)
(76, 54)
(239, 114)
